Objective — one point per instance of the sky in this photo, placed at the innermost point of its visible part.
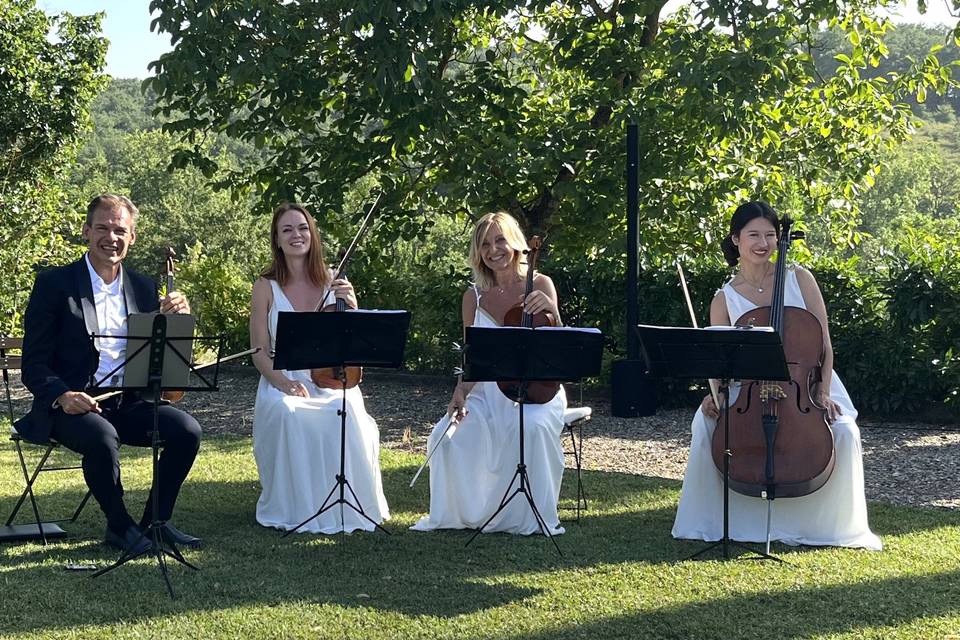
(127, 26)
(133, 46)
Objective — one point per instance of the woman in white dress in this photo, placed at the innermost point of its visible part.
(296, 427)
(835, 514)
(471, 469)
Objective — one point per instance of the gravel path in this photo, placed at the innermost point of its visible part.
(902, 465)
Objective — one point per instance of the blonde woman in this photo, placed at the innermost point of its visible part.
(470, 470)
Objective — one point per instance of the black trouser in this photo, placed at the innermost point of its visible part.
(129, 420)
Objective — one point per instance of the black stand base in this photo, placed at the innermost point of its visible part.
(157, 548)
(726, 543)
(340, 484)
(524, 489)
(158, 344)
(20, 532)
(341, 478)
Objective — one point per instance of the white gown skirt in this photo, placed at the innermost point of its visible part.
(472, 468)
(834, 515)
(296, 443)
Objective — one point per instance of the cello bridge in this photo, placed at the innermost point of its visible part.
(771, 391)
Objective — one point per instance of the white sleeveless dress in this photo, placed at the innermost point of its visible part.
(834, 515)
(470, 471)
(296, 443)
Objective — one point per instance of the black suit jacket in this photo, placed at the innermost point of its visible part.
(58, 355)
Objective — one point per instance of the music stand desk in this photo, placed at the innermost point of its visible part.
(321, 339)
(523, 355)
(722, 353)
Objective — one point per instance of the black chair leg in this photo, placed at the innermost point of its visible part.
(83, 503)
(38, 528)
(28, 491)
(576, 444)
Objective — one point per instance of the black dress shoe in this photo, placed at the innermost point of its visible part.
(171, 535)
(132, 542)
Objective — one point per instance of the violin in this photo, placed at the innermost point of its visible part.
(781, 443)
(337, 377)
(532, 392)
(343, 377)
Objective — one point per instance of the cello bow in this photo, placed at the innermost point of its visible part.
(714, 386)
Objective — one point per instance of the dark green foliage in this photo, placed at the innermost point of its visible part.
(722, 119)
(465, 106)
(49, 73)
(426, 275)
(905, 45)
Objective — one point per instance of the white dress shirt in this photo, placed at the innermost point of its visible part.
(112, 320)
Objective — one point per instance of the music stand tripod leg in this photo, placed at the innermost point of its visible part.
(522, 488)
(725, 542)
(152, 532)
(341, 481)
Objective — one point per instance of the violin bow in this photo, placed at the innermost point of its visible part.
(450, 423)
(197, 367)
(353, 245)
(714, 387)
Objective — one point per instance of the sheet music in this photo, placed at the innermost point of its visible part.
(726, 327)
(545, 328)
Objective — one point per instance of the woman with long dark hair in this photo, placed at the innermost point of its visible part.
(835, 514)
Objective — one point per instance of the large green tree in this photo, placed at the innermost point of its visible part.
(465, 105)
(50, 70)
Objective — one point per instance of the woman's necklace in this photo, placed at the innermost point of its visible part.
(502, 290)
(758, 287)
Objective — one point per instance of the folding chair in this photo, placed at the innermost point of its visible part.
(38, 529)
(573, 421)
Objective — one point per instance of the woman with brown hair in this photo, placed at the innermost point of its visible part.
(296, 425)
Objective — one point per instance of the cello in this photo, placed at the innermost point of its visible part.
(781, 442)
(535, 392)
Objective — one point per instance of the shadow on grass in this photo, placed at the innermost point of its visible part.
(796, 613)
(413, 573)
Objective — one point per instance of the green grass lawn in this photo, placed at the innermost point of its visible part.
(621, 575)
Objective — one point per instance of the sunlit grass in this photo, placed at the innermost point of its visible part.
(621, 575)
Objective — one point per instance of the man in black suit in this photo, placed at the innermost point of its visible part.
(95, 294)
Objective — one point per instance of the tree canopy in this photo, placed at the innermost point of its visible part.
(50, 70)
(460, 105)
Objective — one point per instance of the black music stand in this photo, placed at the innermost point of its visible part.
(722, 353)
(154, 347)
(360, 338)
(524, 355)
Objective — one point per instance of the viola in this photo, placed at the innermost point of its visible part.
(343, 377)
(170, 254)
(781, 443)
(177, 396)
(516, 316)
(337, 377)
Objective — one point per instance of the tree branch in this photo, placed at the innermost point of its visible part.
(597, 9)
(651, 27)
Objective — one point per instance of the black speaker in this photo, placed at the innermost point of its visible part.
(632, 391)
